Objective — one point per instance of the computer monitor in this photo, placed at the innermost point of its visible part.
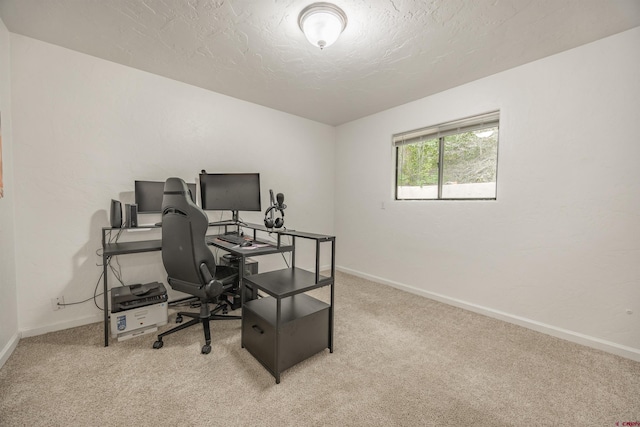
(230, 192)
(149, 195)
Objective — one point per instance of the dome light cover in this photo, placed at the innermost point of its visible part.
(322, 23)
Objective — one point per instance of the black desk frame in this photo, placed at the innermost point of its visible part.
(110, 250)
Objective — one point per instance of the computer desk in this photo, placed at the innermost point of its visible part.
(110, 250)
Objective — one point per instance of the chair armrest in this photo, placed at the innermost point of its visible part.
(206, 274)
(214, 287)
(217, 285)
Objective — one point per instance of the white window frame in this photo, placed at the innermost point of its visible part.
(468, 124)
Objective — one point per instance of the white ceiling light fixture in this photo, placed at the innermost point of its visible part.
(322, 23)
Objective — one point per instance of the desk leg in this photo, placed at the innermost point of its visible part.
(333, 285)
(105, 261)
(277, 351)
(331, 309)
(242, 301)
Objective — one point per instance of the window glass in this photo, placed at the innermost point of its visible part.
(418, 170)
(470, 165)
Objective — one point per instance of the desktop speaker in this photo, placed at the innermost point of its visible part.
(131, 213)
(115, 215)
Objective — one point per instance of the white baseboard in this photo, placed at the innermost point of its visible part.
(61, 325)
(8, 349)
(576, 337)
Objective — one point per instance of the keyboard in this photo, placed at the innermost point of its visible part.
(231, 239)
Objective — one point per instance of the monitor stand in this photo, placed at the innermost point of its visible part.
(235, 220)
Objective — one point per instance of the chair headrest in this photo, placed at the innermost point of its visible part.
(175, 186)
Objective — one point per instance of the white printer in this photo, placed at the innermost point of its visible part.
(138, 310)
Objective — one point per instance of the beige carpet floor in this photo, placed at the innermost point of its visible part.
(399, 360)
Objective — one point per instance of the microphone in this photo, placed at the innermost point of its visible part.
(280, 199)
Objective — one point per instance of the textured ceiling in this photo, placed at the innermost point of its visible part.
(392, 51)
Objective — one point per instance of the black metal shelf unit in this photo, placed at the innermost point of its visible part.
(289, 326)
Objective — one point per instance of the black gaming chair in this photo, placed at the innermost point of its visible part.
(190, 265)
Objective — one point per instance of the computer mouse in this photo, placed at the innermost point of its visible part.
(246, 243)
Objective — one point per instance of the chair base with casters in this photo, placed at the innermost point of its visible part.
(225, 285)
(203, 317)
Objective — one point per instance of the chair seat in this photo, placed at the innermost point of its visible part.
(226, 274)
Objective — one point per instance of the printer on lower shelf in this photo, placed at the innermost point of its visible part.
(138, 310)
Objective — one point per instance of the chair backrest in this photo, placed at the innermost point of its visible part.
(184, 248)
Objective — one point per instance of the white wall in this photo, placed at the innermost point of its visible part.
(559, 251)
(86, 128)
(8, 302)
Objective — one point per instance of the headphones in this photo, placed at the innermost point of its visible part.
(279, 206)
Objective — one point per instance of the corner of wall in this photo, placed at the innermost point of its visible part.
(8, 348)
(9, 333)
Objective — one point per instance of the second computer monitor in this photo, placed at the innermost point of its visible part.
(148, 195)
(230, 192)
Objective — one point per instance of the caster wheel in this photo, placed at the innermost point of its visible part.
(206, 349)
(158, 344)
(179, 319)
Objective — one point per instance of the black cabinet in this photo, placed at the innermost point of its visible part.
(302, 332)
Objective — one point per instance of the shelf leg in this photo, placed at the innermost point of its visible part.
(277, 349)
(242, 301)
(105, 260)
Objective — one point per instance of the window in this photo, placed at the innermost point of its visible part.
(455, 160)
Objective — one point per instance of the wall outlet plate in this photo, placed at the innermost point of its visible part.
(55, 302)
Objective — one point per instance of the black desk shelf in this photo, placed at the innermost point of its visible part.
(287, 282)
(111, 249)
(289, 326)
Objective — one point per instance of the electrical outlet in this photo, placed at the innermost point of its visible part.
(55, 303)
